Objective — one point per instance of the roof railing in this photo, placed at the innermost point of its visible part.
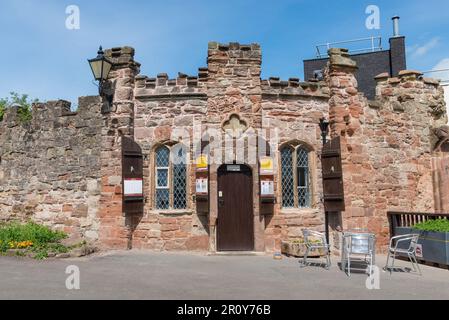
(375, 45)
(444, 82)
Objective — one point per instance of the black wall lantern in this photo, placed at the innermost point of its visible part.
(101, 66)
(324, 126)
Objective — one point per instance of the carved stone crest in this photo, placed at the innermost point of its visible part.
(235, 126)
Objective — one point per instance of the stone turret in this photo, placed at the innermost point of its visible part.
(115, 229)
(234, 80)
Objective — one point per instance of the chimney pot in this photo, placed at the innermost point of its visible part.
(396, 26)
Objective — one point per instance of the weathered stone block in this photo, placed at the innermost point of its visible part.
(80, 211)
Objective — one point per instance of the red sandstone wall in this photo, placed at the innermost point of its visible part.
(441, 181)
(387, 144)
(230, 85)
(50, 166)
(164, 106)
(115, 228)
(287, 108)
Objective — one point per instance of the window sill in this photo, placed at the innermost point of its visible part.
(292, 211)
(173, 212)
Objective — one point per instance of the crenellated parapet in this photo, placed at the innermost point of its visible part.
(54, 113)
(408, 91)
(294, 88)
(184, 86)
(122, 57)
(234, 53)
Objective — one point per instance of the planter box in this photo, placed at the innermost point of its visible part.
(435, 245)
(299, 249)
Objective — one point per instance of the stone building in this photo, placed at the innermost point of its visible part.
(228, 161)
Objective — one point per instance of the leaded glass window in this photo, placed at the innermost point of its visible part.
(302, 169)
(295, 180)
(179, 178)
(170, 178)
(162, 178)
(288, 198)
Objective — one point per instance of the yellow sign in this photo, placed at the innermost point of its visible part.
(202, 162)
(266, 165)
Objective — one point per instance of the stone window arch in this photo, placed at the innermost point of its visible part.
(296, 177)
(170, 177)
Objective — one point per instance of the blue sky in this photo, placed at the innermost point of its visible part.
(39, 56)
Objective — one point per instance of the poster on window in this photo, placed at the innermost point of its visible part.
(201, 186)
(133, 188)
(267, 188)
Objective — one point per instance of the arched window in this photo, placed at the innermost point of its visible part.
(295, 178)
(170, 177)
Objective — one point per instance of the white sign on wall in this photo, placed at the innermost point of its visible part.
(133, 187)
(267, 188)
(201, 186)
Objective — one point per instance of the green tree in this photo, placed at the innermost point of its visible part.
(22, 101)
(3, 105)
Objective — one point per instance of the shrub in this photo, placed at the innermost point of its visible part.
(31, 236)
(438, 225)
(3, 105)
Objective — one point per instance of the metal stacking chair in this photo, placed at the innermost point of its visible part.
(358, 244)
(398, 247)
(314, 240)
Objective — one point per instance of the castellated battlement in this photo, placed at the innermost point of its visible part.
(162, 86)
(234, 53)
(55, 113)
(409, 90)
(225, 61)
(294, 88)
(122, 57)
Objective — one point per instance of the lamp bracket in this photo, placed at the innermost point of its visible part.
(106, 92)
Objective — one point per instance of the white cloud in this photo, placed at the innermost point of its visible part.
(421, 50)
(444, 76)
